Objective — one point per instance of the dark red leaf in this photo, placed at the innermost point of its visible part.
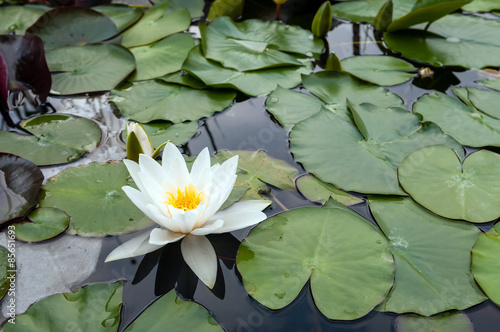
(26, 65)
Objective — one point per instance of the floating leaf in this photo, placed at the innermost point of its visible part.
(492, 84)
(466, 125)
(58, 138)
(161, 131)
(486, 101)
(20, 182)
(436, 179)
(254, 83)
(482, 6)
(447, 322)
(230, 8)
(122, 15)
(64, 26)
(161, 58)
(45, 223)
(381, 70)
(183, 78)
(89, 68)
(171, 313)
(485, 264)
(348, 262)
(18, 18)
(20, 53)
(362, 157)
(454, 40)
(195, 7)
(91, 308)
(155, 24)
(255, 44)
(7, 270)
(432, 257)
(150, 100)
(317, 191)
(92, 196)
(358, 11)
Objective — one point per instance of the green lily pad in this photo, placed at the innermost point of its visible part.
(454, 40)
(254, 83)
(362, 156)
(486, 101)
(432, 257)
(482, 6)
(156, 100)
(160, 132)
(64, 26)
(20, 182)
(92, 196)
(195, 7)
(492, 84)
(424, 11)
(45, 224)
(91, 308)
(358, 11)
(156, 23)
(161, 58)
(231, 8)
(183, 78)
(19, 18)
(255, 44)
(57, 139)
(122, 15)
(380, 70)
(170, 313)
(7, 269)
(464, 124)
(347, 260)
(317, 191)
(436, 179)
(447, 322)
(485, 264)
(89, 68)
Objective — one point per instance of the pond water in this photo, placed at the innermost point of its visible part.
(248, 126)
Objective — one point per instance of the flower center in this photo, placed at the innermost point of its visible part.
(185, 200)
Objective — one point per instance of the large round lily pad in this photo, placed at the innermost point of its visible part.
(57, 139)
(20, 182)
(91, 308)
(362, 156)
(64, 26)
(432, 257)
(89, 68)
(485, 263)
(170, 313)
(122, 15)
(253, 83)
(436, 179)
(44, 224)
(156, 100)
(448, 322)
(347, 260)
(161, 58)
(92, 196)
(255, 44)
(454, 40)
(18, 18)
(466, 125)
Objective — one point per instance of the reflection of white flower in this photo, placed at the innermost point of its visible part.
(186, 206)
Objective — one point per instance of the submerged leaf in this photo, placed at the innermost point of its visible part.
(447, 322)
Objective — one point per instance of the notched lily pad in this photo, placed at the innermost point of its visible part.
(435, 177)
(92, 196)
(317, 191)
(42, 224)
(122, 15)
(156, 100)
(57, 139)
(347, 261)
(20, 182)
(171, 313)
(432, 257)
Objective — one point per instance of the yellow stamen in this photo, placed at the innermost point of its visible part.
(185, 200)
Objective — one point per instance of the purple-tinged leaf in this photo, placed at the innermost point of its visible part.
(26, 65)
(20, 183)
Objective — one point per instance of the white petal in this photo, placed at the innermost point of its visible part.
(241, 215)
(179, 175)
(226, 189)
(208, 228)
(137, 246)
(139, 199)
(161, 219)
(161, 237)
(152, 167)
(200, 165)
(186, 220)
(201, 258)
(170, 153)
(133, 168)
(152, 187)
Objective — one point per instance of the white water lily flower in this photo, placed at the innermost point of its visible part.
(186, 206)
(137, 135)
